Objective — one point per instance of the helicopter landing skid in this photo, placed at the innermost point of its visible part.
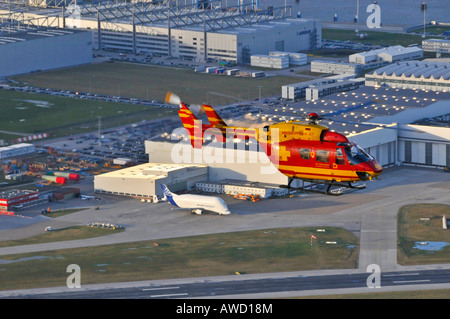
(317, 187)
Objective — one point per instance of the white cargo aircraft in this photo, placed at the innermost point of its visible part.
(197, 203)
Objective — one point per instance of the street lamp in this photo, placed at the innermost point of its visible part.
(423, 8)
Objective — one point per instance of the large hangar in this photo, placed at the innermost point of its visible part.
(225, 31)
(145, 180)
(31, 49)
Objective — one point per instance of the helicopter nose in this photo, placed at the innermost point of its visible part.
(377, 168)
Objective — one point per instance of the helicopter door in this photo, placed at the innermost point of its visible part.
(339, 158)
(323, 158)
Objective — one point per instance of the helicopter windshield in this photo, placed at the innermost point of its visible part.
(356, 155)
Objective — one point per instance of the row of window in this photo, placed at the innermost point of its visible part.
(354, 154)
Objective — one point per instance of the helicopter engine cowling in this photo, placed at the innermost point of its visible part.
(335, 137)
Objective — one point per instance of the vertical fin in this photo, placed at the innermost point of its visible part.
(168, 194)
(192, 125)
(214, 118)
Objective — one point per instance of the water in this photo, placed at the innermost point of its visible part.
(400, 12)
(430, 245)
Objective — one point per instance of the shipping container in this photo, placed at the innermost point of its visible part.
(55, 179)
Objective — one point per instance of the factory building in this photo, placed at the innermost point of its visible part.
(145, 180)
(25, 50)
(16, 150)
(390, 54)
(243, 164)
(332, 67)
(17, 199)
(422, 75)
(234, 44)
(271, 62)
(297, 90)
(294, 58)
(236, 187)
(438, 46)
(225, 31)
(314, 92)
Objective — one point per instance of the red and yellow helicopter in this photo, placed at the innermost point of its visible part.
(299, 150)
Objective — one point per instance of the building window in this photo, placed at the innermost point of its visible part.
(408, 151)
(428, 153)
(448, 155)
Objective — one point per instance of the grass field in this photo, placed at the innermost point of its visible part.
(69, 233)
(62, 116)
(412, 229)
(374, 37)
(260, 251)
(153, 82)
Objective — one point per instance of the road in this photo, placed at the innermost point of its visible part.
(280, 286)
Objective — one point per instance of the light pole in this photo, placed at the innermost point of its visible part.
(259, 99)
(423, 7)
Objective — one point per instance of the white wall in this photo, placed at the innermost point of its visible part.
(231, 164)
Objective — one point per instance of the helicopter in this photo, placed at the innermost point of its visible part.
(300, 150)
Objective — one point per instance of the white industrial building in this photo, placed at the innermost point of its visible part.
(389, 54)
(333, 67)
(245, 164)
(225, 31)
(438, 46)
(234, 44)
(236, 187)
(25, 50)
(297, 90)
(269, 61)
(294, 57)
(423, 75)
(314, 92)
(145, 180)
(16, 150)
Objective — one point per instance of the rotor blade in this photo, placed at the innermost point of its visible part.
(197, 109)
(172, 98)
(375, 125)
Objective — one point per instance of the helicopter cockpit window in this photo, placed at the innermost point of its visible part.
(322, 156)
(356, 155)
(304, 153)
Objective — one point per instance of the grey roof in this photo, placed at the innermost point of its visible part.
(417, 69)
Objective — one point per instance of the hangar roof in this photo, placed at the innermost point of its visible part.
(417, 69)
(150, 170)
(21, 34)
(350, 112)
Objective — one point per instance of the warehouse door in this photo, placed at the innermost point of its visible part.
(279, 45)
(178, 187)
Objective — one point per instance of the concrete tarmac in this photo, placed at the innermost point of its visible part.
(370, 213)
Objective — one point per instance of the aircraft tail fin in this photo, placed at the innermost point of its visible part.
(169, 195)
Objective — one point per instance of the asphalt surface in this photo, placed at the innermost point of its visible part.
(371, 214)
